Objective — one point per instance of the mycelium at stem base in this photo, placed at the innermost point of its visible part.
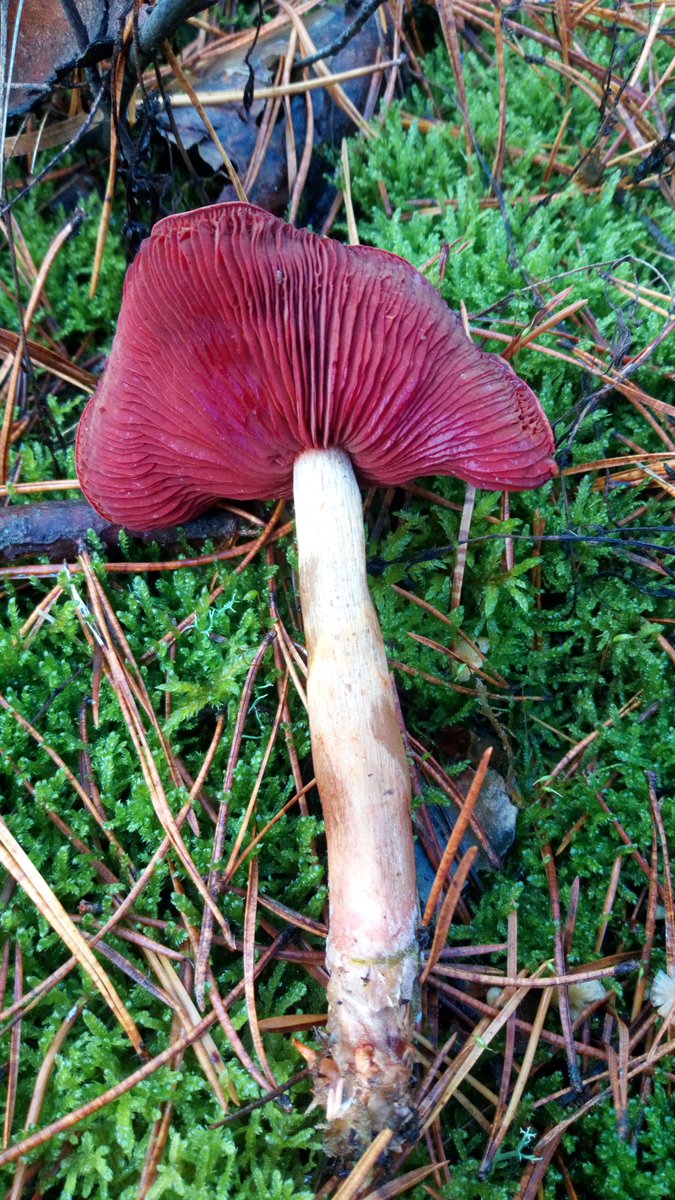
(364, 784)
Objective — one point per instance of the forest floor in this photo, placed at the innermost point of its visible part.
(522, 158)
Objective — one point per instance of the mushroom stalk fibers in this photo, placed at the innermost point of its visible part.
(364, 784)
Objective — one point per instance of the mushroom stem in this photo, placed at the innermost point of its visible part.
(364, 783)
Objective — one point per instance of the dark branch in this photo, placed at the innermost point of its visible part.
(59, 529)
(163, 21)
(366, 11)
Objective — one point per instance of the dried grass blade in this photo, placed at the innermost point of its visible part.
(647, 47)
(258, 838)
(53, 362)
(17, 862)
(305, 161)
(337, 92)
(36, 294)
(500, 152)
(448, 18)
(250, 808)
(668, 902)
(249, 977)
(531, 1184)
(433, 770)
(561, 967)
(205, 1048)
(115, 86)
(347, 193)
(292, 1023)
(4, 971)
(233, 1037)
(608, 904)
(123, 964)
(649, 935)
(405, 1182)
(550, 166)
(509, 1052)
(623, 1062)
(529, 336)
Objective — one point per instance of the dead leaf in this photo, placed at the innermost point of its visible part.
(55, 36)
(239, 132)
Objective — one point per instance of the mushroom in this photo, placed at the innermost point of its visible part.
(254, 360)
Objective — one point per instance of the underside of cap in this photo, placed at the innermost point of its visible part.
(243, 341)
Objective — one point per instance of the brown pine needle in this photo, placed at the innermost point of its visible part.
(39, 1093)
(479, 1041)
(461, 825)
(448, 910)
(205, 1049)
(404, 1183)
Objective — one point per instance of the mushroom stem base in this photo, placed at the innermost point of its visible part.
(364, 1084)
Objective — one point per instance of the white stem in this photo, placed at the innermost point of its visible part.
(364, 783)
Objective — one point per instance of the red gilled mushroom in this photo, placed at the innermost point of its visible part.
(253, 361)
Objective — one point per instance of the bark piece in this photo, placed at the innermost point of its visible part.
(54, 36)
(59, 530)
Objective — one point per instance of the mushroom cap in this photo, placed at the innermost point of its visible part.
(243, 341)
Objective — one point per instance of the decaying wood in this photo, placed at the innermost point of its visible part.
(60, 529)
